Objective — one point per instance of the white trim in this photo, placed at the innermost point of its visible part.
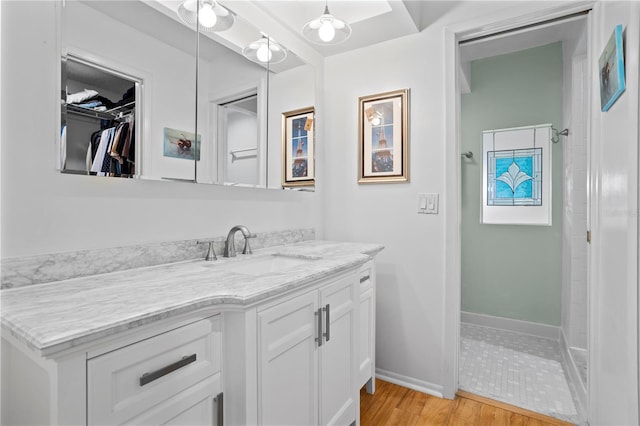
(574, 374)
(410, 382)
(452, 212)
(509, 324)
(593, 216)
(527, 13)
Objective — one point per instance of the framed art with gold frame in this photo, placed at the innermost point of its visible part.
(383, 137)
(298, 148)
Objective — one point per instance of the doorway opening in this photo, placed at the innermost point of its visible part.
(240, 151)
(523, 323)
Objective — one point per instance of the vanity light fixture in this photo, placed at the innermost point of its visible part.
(265, 50)
(327, 29)
(211, 16)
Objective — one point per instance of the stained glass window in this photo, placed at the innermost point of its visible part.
(514, 177)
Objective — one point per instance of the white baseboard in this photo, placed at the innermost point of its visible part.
(574, 374)
(410, 382)
(518, 326)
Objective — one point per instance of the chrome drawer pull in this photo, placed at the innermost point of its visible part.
(150, 377)
(363, 279)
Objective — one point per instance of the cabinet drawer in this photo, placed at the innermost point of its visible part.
(366, 277)
(129, 381)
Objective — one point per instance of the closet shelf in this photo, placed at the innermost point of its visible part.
(109, 114)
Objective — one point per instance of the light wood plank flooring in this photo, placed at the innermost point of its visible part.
(395, 405)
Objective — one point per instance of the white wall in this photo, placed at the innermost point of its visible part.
(613, 348)
(44, 211)
(409, 270)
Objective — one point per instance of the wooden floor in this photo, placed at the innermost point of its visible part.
(395, 405)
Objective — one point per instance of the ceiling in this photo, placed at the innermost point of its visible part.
(371, 21)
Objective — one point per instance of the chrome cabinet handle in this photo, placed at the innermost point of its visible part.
(327, 327)
(219, 409)
(155, 375)
(363, 279)
(319, 315)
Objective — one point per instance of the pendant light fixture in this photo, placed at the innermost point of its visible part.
(211, 15)
(327, 29)
(265, 50)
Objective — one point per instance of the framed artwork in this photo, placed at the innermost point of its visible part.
(383, 137)
(298, 148)
(516, 178)
(179, 144)
(611, 66)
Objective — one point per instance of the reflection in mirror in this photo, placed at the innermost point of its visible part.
(132, 40)
(98, 135)
(289, 90)
(145, 45)
(231, 112)
(238, 136)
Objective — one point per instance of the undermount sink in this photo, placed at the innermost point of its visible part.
(264, 264)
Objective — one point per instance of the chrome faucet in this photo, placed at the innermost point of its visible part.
(230, 245)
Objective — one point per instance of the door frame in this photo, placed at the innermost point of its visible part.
(508, 19)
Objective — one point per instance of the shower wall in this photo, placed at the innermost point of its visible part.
(574, 241)
(512, 271)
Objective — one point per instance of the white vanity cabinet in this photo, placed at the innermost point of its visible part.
(165, 373)
(297, 362)
(367, 327)
(286, 348)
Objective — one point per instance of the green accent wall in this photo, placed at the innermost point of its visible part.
(511, 271)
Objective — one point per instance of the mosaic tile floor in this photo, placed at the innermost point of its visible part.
(518, 369)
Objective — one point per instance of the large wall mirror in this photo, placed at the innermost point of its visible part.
(148, 94)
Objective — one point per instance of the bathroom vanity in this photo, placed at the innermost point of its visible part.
(283, 336)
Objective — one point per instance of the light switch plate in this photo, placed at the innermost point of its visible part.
(428, 203)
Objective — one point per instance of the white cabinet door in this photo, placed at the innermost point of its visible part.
(338, 353)
(288, 375)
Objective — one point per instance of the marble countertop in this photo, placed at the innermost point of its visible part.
(56, 316)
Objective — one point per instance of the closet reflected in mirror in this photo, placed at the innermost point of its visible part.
(98, 131)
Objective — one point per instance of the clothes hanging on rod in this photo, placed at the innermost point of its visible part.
(111, 151)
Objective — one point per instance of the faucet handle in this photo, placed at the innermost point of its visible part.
(211, 253)
(247, 247)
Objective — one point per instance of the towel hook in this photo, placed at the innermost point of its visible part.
(556, 134)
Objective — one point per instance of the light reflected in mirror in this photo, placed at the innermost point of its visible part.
(146, 46)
